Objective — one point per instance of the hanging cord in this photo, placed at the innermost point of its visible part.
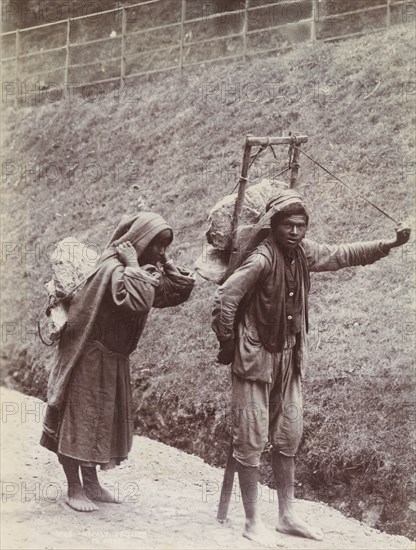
(53, 301)
(273, 151)
(254, 157)
(280, 173)
(45, 309)
(346, 185)
(261, 150)
(257, 154)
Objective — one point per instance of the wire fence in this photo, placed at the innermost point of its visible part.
(125, 43)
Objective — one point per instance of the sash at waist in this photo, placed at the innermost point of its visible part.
(101, 347)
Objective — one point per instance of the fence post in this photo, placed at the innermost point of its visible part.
(68, 36)
(388, 15)
(245, 28)
(183, 12)
(315, 16)
(16, 64)
(123, 47)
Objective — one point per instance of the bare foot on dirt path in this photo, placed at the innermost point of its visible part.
(96, 492)
(258, 533)
(170, 500)
(299, 528)
(78, 500)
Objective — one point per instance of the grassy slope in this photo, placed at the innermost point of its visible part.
(357, 445)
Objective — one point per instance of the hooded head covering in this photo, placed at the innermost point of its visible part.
(139, 229)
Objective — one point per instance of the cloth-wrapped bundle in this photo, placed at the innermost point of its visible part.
(213, 263)
(72, 263)
(71, 266)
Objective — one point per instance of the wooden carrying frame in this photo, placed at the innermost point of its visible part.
(251, 141)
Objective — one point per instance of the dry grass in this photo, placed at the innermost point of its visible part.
(180, 147)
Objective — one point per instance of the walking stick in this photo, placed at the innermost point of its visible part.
(227, 486)
(231, 466)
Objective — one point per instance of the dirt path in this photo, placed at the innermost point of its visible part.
(170, 500)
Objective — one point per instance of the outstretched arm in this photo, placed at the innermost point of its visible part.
(402, 237)
(325, 257)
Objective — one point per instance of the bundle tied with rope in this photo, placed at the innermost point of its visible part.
(242, 243)
(239, 222)
(73, 264)
(235, 220)
(214, 260)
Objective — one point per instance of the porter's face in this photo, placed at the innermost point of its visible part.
(156, 249)
(290, 231)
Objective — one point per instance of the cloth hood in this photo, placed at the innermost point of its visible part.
(140, 229)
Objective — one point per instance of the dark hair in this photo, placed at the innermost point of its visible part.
(295, 209)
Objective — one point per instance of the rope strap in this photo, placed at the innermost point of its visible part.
(44, 310)
(293, 164)
(348, 186)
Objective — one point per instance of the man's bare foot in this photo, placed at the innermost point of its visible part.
(78, 500)
(257, 532)
(292, 525)
(96, 492)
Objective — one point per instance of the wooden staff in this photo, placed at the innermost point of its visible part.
(231, 466)
(295, 165)
(227, 486)
(242, 184)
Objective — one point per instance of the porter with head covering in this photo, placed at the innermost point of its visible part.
(260, 317)
(89, 415)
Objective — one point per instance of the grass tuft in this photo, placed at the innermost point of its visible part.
(181, 148)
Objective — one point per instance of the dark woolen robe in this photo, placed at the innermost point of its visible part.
(96, 426)
(89, 413)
